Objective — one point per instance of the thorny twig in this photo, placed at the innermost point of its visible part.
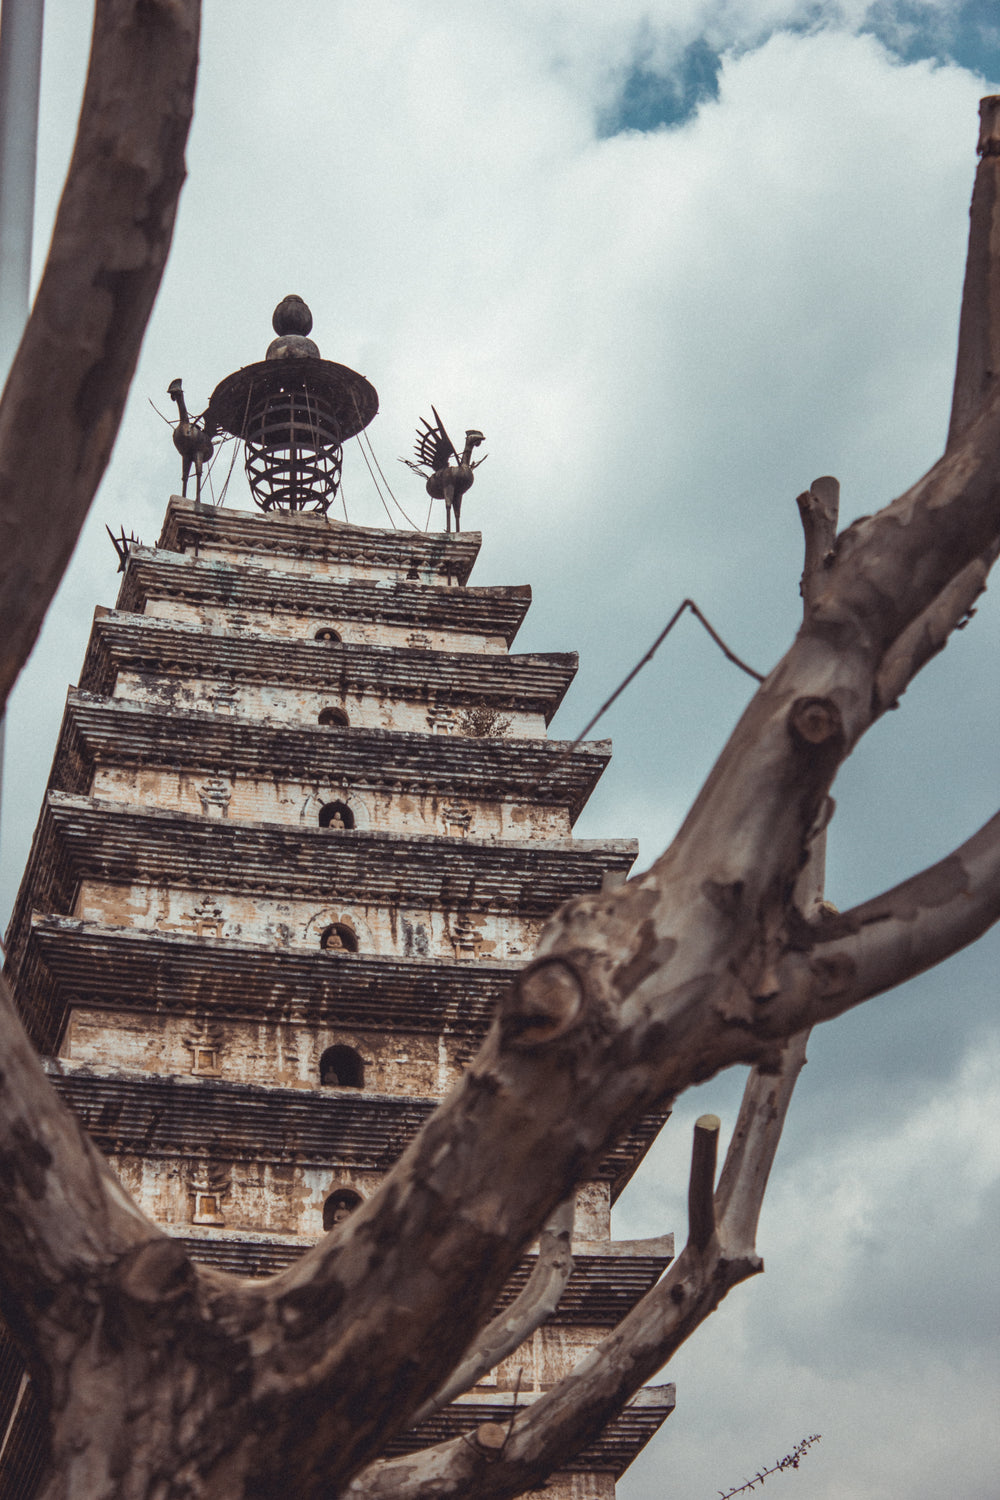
(790, 1461)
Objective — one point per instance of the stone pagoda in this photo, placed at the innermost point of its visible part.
(302, 826)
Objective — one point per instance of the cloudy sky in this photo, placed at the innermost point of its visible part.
(676, 258)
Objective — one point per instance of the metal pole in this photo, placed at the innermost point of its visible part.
(20, 75)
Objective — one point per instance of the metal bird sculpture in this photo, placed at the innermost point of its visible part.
(191, 441)
(450, 473)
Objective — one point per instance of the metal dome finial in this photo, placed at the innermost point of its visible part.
(293, 411)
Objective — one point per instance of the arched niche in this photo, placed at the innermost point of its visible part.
(334, 718)
(339, 938)
(328, 634)
(335, 815)
(339, 1206)
(341, 1067)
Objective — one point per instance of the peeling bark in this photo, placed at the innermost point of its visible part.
(536, 1303)
(82, 340)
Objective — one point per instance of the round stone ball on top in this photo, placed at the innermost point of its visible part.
(292, 320)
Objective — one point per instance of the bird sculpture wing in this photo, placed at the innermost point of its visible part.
(434, 448)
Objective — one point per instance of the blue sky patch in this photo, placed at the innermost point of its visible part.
(967, 34)
(649, 100)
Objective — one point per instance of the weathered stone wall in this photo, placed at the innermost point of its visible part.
(543, 1360)
(411, 932)
(304, 627)
(299, 705)
(270, 1197)
(299, 803)
(268, 1053)
(284, 1198)
(580, 1487)
(311, 563)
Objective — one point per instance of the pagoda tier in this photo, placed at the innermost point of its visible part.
(317, 543)
(160, 653)
(155, 576)
(159, 1117)
(115, 732)
(607, 1280)
(67, 962)
(81, 840)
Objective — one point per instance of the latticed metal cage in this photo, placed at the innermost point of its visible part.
(293, 411)
(293, 449)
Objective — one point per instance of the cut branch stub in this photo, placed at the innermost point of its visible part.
(491, 1437)
(819, 508)
(815, 721)
(701, 1184)
(542, 1003)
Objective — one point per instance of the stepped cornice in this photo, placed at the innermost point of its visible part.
(80, 838)
(150, 1115)
(606, 1282)
(624, 1436)
(153, 574)
(138, 643)
(117, 732)
(319, 538)
(132, 968)
(154, 846)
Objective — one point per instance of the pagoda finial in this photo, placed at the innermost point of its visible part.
(293, 411)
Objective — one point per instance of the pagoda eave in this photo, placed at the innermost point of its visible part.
(602, 1288)
(623, 1438)
(110, 841)
(189, 526)
(142, 644)
(66, 962)
(121, 733)
(151, 575)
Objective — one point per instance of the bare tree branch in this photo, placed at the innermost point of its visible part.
(564, 1419)
(701, 1183)
(875, 946)
(978, 361)
(72, 371)
(929, 632)
(64, 1217)
(819, 508)
(529, 1310)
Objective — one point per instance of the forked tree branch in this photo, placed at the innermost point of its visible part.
(727, 1215)
(573, 1413)
(846, 959)
(529, 1310)
(635, 994)
(60, 411)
